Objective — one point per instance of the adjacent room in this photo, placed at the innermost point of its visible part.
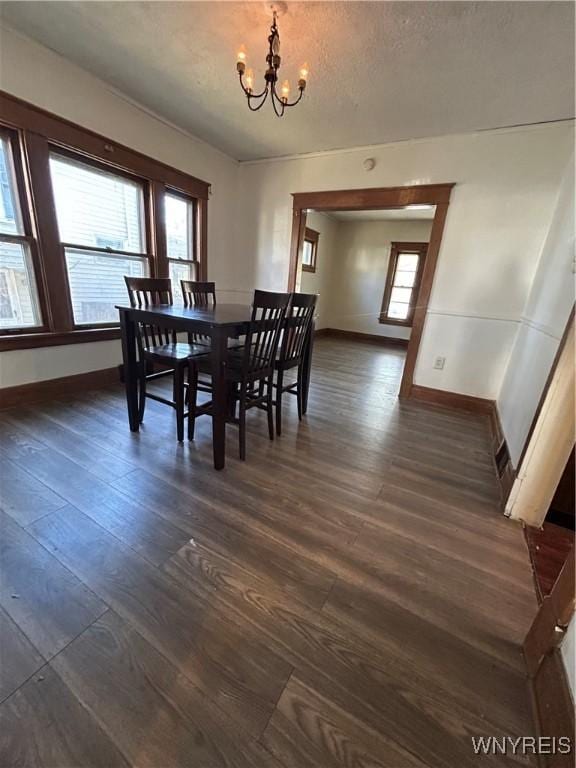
(287, 384)
(366, 267)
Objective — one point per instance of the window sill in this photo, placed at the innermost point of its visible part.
(389, 321)
(51, 339)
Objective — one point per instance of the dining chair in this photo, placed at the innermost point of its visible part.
(250, 369)
(157, 346)
(198, 294)
(201, 295)
(295, 333)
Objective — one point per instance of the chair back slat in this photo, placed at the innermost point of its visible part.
(263, 336)
(199, 294)
(146, 292)
(297, 323)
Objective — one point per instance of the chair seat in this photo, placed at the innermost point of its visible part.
(235, 367)
(286, 364)
(232, 344)
(176, 352)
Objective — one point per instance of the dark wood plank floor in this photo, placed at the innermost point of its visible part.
(349, 596)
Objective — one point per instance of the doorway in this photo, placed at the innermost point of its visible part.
(403, 323)
(366, 268)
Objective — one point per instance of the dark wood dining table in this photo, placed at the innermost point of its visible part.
(220, 322)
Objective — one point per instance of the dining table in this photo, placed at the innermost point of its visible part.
(219, 322)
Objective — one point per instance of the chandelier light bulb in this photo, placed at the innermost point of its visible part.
(304, 72)
(285, 90)
(250, 79)
(241, 60)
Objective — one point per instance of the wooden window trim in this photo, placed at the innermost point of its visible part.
(35, 134)
(30, 236)
(81, 335)
(148, 254)
(68, 135)
(395, 249)
(312, 236)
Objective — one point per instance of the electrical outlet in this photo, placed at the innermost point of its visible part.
(439, 363)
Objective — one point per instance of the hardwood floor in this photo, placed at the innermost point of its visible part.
(348, 596)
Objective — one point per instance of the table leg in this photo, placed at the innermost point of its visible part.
(130, 361)
(219, 396)
(307, 366)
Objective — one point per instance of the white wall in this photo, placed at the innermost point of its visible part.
(568, 650)
(38, 75)
(543, 322)
(507, 184)
(319, 281)
(506, 189)
(359, 272)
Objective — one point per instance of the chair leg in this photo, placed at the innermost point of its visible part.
(242, 422)
(299, 393)
(179, 400)
(192, 397)
(270, 406)
(232, 397)
(279, 393)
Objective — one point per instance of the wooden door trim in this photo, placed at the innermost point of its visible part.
(555, 611)
(553, 707)
(547, 384)
(380, 198)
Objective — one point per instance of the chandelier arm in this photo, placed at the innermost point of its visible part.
(261, 104)
(277, 100)
(293, 103)
(248, 93)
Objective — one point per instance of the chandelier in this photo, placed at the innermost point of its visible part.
(279, 101)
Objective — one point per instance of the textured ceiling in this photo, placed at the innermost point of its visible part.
(379, 71)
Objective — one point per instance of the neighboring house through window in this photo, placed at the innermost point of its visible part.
(101, 223)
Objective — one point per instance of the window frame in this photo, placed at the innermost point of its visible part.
(147, 254)
(396, 248)
(194, 262)
(28, 237)
(313, 237)
(36, 134)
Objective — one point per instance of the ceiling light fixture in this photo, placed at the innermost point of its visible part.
(279, 101)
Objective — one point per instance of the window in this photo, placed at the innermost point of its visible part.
(19, 306)
(180, 241)
(78, 212)
(309, 250)
(402, 282)
(101, 224)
